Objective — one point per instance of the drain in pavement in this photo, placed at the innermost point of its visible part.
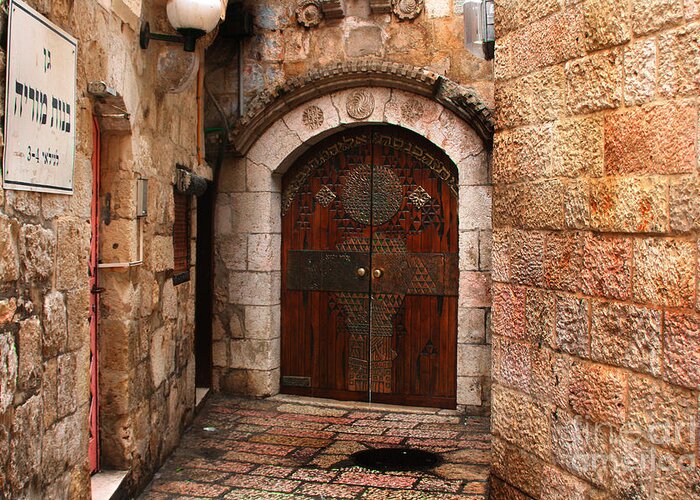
(396, 459)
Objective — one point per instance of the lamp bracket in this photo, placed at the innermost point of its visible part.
(188, 37)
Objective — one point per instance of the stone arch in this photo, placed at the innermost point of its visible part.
(248, 227)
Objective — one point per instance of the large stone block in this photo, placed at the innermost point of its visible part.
(285, 142)
(684, 211)
(475, 207)
(68, 376)
(8, 376)
(578, 148)
(30, 353)
(580, 446)
(232, 249)
(162, 356)
(254, 288)
(526, 257)
(572, 326)
(598, 393)
(607, 23)
(256, 213)
(563, 259)
(161, 256)
(640, 72)
(55, 324)
(521, 421)
(540, 317)
(518, 467)
(37, 251)
(630, 204)
(652, 15)
(551, 373)
(631, 464)
(577, 204)
(469, 250)
(552, 40)
(254, 354)
(472, 326)
(627, 336)
(595, 82)
(500, 257)
(675, 475)
(654, 139)
(662, 414)
(473, 360)
(681, 348)
(26, 443)
(9, 256)
(678, 61)
(364, 41)
(508, 311)
(264, 252)
(535, 98)
(664, 272)
(557, 484)
(607, 266)
(257, 383)
(511, 363)
(469, 391)
(262, 322)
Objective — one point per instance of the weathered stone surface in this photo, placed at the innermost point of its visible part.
(469, 250)
(162, 355)
(595, 82)
(563, 261)
(597, 392)
(540, 317)
(511, 363)
(681, 348)
(364, 41)
(684, 212)
(262, 322)
(253, 354)
(664, 272)
(8, 376)
(485, 250)
(68, 393)
(651, 139)
(9, 257)
(264, 252)
(519, 468)
(469, 391)
(472, 326)
(578, 148)
(626, 336)
(521, 421)
(161, 257)
(640, 72)
(55, 324)
(572, 330)
(475, 207)
(558, 484)
(30, 353)
(26, 442)
(581, 446)
(522, 154)
(474, 289)
(473, 360)
(254, 288)
(510, 14)
(631, 463)
(607, 23)
(606, 269)
(652, 15)
(551, 373)
(678, 61)
(662, 414)
(526, 254)
(549, 41)
(508, 311)
(629, 204)
(535, 98)
(37, 250)
(500, 258)
(675, 475)
(256, 213)
(577, 204)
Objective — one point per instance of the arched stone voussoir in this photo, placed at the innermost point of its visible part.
(270, 106)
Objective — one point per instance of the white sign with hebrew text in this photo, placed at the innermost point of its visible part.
(39, 104)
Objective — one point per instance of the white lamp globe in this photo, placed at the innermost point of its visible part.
(199, 15)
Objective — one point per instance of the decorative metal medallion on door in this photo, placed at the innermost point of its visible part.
(370, 270)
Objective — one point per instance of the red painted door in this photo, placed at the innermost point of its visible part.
(94, 441)
(369, 256)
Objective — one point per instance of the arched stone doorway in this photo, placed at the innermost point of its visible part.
(370, 270)
(248, 286)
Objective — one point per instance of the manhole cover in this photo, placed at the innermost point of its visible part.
(396, 459)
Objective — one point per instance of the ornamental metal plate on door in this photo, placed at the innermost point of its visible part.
(370, 270)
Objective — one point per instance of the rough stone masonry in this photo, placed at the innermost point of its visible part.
(596, 339)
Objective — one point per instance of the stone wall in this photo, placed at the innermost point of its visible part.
(282, 49)
(146, 330)
(595, 313)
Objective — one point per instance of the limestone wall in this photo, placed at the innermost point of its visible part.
(282, 48)
(596, 343)
(147, 372)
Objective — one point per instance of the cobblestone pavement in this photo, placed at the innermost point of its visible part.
(288, 447)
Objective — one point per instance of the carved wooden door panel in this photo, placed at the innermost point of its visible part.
(369, 280)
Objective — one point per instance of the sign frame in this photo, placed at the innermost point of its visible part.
(14, 176)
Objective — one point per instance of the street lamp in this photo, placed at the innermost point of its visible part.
(191, 18)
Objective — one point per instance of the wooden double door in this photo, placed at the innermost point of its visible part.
(370, 270)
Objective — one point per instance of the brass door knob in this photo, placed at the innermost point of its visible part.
(361, 271)
(377, 273)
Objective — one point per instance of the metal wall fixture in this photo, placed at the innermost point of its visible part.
(479, 34)
(191, 18)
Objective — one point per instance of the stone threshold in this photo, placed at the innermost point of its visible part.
(106, 484)
(360, 405)
(200, 396)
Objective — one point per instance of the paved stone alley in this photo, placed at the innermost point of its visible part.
(288, 447)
